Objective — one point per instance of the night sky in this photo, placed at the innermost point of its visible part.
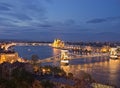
(70, 20)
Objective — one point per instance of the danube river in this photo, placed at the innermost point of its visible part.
(41, 51)
(102, 69)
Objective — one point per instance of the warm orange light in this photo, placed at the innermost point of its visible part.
(58, 43)
(43, 70)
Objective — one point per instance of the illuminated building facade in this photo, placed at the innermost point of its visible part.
(105, 49)
(8, 57)
(58, 43)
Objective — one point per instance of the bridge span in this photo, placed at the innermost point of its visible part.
(6, 46)
(71, 57)
(33, 44)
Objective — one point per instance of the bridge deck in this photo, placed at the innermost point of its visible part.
(73, 56)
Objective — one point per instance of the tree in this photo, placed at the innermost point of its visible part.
(47, 84)
(70, 75)
(22, 78)
(34, 59)
(36, 84)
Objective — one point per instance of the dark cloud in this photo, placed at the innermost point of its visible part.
(8, 22)
(20, 16)
(6, 5)
(45, 25)
(34, 9)
(21, 12)
(106, 36)
(97, 20)
(3, 19)
(113, 18)
(101, 20)
(4, 8)
(69, 22)
(28, 17)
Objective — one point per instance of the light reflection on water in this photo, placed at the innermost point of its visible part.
(104, 71)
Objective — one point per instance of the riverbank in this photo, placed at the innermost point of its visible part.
(91, 55)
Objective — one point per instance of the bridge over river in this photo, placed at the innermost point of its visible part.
(71, 57)
(56, 58)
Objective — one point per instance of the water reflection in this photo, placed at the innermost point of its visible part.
(102, 70)
(55, 51)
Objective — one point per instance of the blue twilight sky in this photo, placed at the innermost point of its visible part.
(70, 20)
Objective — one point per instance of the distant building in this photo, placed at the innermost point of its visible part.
(88, 48)
(8, 57)
(105, 49)
(115, 52)
(58, 43)
(6, 46)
